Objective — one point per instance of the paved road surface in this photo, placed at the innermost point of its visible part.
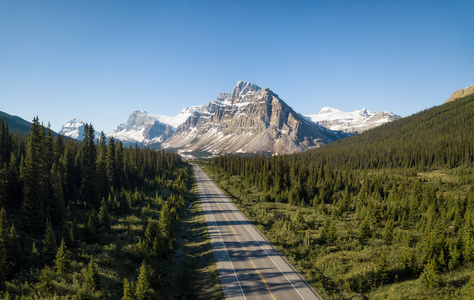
(248, 266)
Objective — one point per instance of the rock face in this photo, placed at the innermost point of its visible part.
(248, 120)
(461, 93)
(143, 129)
(351, 122)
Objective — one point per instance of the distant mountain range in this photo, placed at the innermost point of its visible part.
(352, 122)
(246, 120)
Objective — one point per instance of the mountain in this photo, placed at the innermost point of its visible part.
(352, 122)
(15, 123)
(180, 118)
(142, 128)
(461, 93)
(74, 129)
(248, 120)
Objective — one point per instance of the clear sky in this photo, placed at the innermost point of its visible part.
(100, 60)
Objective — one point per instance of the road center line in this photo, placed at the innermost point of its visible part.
(225, 248)
(261, 276)
(233, 210)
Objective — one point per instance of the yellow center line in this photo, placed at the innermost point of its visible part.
(261, 276)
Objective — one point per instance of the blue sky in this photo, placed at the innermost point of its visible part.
(100, 60)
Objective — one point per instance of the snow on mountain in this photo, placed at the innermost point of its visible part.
(351, 122)
(142, 128)
(248, 120)
(180, 118)
(74, 129)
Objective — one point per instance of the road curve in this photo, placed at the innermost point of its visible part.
(247, 264)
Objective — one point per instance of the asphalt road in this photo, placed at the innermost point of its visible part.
(248, 266)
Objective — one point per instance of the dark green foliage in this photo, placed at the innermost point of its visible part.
(144, 291)
(128, 293)
(89, 187)
(57, 197)
(104, 217)
(429, 278)
(34, 176)
(46, 278)
(93, 281)
(61, 263)
(50, 247)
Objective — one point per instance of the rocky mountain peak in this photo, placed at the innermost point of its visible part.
(243, 88)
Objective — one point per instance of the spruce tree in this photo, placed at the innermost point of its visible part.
(143, 289)
(4, 246)
(89, 187)
(127, 290)
(111, 163)
(34, 181)
(92, 277)
(50, 246)
(34, 256)
(61, 263)
(104, 217)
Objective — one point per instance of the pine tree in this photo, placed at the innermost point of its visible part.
(92, 277)
(89, 187)
(61, 263)
(382, 269)
(90, 229)
(34, 256)
(46, 283)
(50, 246)
(104, 217)
(127, 290)
(143, 289)
(34, 181)
(4, 246)
(429, 278)
(56, 205)
(469, 292)
(111, 163)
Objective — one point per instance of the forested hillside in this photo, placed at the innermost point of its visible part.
(385, 214)
(90, 220)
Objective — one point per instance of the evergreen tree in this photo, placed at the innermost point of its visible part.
(143, 289)
(46, 283)
(34, 256)
(111, 163)
(469, 292)
(127, 290)
(92, 277)
(4, 246)
(104, 218)
(50, 246)
(34, 181)
(429, 278)
(61, 262)
(89, 187)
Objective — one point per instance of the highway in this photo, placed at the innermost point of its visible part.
(247, 264)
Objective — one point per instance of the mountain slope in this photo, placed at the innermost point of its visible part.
(15, 123)
(353, 122)
(143, 129)
(248, 120)
(439, 136)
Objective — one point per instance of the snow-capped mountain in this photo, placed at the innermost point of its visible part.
(142, 128)
(74, 129)
(248, 120)
(352, 122)
(180, 118)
